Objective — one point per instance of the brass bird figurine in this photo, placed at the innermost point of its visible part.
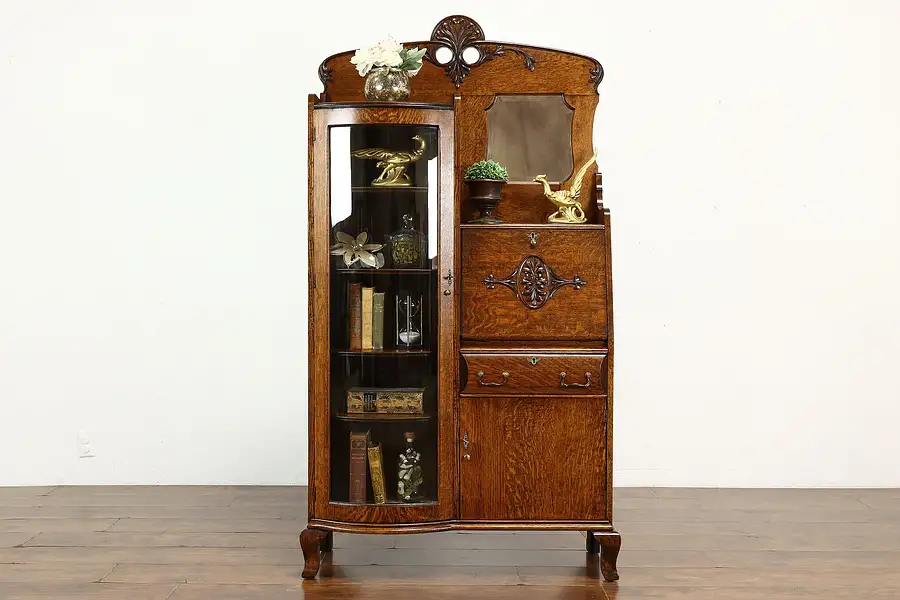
(393, 163)
(569, 208)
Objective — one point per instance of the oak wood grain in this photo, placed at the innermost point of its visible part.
(533, 374)
(555, 72)
(498, 313)
(533, 458)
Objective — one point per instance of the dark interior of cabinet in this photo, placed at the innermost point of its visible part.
(379, 212)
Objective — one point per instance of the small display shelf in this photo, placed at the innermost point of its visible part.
(390, 502)
(385, 352)
(385, 271)
(380, 417)
(383, 189)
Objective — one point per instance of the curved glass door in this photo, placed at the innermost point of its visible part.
(383, 314)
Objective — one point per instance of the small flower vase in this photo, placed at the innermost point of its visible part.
(385, 84)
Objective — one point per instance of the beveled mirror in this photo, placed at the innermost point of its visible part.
(531, 135)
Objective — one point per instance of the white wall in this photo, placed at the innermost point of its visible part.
(153, 252)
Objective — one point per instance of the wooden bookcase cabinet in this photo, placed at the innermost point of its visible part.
(517, 433)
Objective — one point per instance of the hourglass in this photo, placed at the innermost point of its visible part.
(409, 320)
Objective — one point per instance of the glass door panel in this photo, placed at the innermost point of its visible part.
(383, 314)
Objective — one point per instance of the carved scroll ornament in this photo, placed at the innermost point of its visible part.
(534, 282)
(457, 33)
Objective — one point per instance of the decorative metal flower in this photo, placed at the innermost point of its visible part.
(357, 250)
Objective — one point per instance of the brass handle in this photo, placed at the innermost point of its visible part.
(562, 381)
(466, 445)
(467, 457)
(480, 375)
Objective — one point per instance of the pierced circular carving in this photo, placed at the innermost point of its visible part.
(465, 40)
(443, 55)
(471, 55)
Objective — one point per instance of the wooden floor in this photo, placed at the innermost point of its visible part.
(230, 543)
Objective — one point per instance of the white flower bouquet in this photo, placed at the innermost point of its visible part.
(388, 53)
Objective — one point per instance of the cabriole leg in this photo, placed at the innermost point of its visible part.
(311, 542)
(610, 543)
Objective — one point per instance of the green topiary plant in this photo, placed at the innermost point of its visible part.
(487, 169)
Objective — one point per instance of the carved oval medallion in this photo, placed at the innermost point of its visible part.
(534, 282)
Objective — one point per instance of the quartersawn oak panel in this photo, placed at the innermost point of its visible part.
(497, 313)
(533, 458)
(540, 378)
(555, 72)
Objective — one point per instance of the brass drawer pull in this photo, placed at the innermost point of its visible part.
(480, 375)
(562, 381)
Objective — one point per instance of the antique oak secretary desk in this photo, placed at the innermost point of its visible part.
(501, 335)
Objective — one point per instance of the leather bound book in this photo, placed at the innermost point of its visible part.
(378, 321)
(355, 301)
(359, 442)
(367, 294)
(376, 467)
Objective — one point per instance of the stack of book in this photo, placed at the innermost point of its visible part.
(361, 449)
(366, 318)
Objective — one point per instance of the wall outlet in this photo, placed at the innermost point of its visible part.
(85, 448)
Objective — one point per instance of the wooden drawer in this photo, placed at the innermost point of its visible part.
(534, 374)
(551, 289)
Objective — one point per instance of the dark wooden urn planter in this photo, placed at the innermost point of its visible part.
(486, 193)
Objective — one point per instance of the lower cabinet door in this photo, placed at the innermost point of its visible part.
(541, 458)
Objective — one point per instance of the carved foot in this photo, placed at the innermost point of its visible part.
(311, 541)
(592, 546)
(328, 543)
(610, 544)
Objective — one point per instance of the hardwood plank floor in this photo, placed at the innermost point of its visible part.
(224, 543)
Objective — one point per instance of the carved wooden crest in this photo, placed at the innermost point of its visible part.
(534, 282)
(457, 33)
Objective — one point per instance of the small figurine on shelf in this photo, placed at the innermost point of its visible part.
(567, 202)
(357, 250)
(409, 472)
(486, 179)
(407, 245)
(393, 163)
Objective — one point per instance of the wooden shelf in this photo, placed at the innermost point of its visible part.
(390, 502)
(532, 226)
(375, 190)
(386, 271)
(385, 352)
(380, 417)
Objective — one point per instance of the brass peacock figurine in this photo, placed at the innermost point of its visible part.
(566, 201)
(393, 163)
